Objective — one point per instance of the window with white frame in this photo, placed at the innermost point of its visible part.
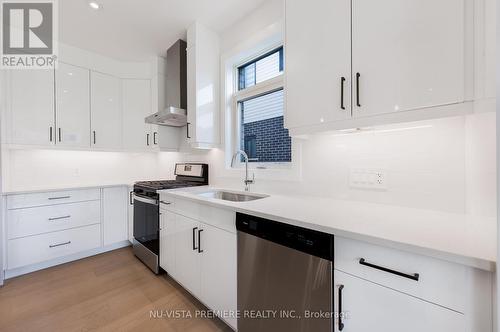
(259, 103)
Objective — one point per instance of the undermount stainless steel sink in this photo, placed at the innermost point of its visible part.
(232, 196)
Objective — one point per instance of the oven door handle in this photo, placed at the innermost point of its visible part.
(146, 200)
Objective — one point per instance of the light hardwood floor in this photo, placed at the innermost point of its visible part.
(108, 292)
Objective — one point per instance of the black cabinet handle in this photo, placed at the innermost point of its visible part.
(147, 139)
(154, 138)
(414, 276)
(93, 133)
(358, 75)
(187, 130)
(50, 134)
(199, 241)
(194, 243)
(131, 200)
(341, 315)
(342, 81)
(59, 132)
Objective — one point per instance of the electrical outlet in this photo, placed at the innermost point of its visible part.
(364, 178)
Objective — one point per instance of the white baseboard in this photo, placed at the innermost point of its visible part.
(61, 260)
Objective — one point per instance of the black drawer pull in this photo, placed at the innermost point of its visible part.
(341, 315)
(342, 81)
(414, 276)
(194, 236)
(199, 241)
(358, 75)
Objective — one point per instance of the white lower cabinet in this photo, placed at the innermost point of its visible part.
(115, 218)
(167, 242)
(369, 307)
(39, 248)
(201, 256)
(45, 219)
(49, 228)
(218, 266)
(187, 259)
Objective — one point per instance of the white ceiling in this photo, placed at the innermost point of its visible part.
(134, 30)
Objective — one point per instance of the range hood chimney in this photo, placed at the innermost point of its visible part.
(175, 113)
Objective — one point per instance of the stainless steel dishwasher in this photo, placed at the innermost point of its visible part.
(285, 277)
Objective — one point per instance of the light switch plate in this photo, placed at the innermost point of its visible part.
(368, 178)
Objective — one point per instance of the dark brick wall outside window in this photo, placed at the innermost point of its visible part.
(266, 141)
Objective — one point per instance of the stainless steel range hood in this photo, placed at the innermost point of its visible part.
(175, 113)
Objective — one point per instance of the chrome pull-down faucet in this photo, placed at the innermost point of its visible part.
(247, 181)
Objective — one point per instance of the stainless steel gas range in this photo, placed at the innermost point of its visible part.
(146, 200)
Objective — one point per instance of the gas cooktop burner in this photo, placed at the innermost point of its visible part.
(186, 175)
(167, 184)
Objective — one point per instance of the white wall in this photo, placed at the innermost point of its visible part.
(43, 169)
(445, 164)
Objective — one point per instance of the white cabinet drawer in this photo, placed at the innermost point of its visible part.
(44, 219)
(369, 307)
(51, 198)
(217, 217)
(438, 281)
(39, 248)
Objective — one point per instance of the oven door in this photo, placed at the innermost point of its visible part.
(147, 222)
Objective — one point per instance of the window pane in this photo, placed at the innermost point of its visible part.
(268, 67)
(261, 69)
(263, 136)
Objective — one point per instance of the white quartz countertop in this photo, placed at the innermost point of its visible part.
(460, 238)
(63, 188)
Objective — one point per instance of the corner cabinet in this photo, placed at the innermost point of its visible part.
(136, 100)
(198, 249)
(346, 67)
(203, 63)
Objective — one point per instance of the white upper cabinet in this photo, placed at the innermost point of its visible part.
(203, 59)
(138, 135)
(30, 110)
(318, 62)
(106, 115)
(72, 106)
(346, 67)
(409, 55)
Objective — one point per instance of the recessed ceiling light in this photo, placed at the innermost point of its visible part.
(94, 5)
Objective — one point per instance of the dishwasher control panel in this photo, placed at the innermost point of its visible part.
(307, 240)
